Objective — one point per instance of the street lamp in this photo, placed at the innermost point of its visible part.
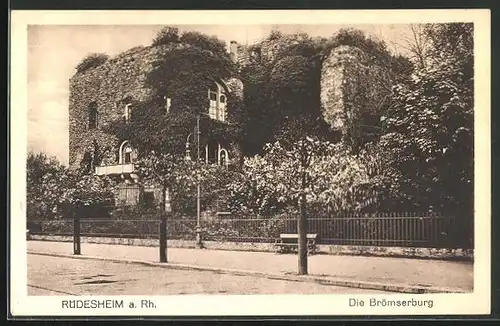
(198, 195)
(188, 151)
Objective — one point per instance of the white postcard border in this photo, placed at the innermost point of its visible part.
(477, 302)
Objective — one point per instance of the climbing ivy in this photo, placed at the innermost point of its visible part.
(166, 35)
(90, 61)
(283, 84)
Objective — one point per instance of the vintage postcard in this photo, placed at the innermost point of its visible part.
(244, 163)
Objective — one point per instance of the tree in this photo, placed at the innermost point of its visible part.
(418, 44)
(283, 86)
(54, 191)
(81, 189)
(308, 174)
(170, 172)
(166, 35)
(187, 67)
(338, 182)
(429, 127)
(43, 181)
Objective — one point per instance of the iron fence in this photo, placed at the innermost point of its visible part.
(177, 228)
(404, 230)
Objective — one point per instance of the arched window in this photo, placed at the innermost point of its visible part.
(93, 116)
(223, 157)
(126, 153)
(217, 106)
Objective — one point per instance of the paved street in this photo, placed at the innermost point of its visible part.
(447, 274)
(64, 276)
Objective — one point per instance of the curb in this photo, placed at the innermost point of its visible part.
(400, 288)
(335, 250)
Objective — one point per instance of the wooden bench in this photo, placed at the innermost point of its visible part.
(289, 242)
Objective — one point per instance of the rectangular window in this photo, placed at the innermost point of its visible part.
(212, 109)
(168, 104)
(212, 112)
(221, 114)
(93, 116)
(128, 158)
(211, 152)
(217, 104)
(92, 122)
(127, 111)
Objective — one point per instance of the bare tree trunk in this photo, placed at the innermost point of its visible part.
(163, 226)
(302, 229)
(302, 222)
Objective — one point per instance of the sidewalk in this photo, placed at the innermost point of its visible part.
(412, 272)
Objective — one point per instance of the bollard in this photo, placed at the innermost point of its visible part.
(76, 236)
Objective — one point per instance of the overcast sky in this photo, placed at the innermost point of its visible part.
(54, 51)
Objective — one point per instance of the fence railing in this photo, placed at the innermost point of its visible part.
(404, 230)
(137, 228)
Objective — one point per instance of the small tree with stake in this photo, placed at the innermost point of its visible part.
(158, 168)
(291, 173)
(305, 174)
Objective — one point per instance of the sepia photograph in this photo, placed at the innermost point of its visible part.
(252, 159)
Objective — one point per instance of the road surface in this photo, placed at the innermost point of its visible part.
(64, 276)
(386, 270)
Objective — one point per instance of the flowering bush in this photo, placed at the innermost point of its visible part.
(245, 230)
(335, 179)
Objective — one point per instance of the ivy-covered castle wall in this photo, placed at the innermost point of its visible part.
(352, 85)
(352, 88)
(109, 87)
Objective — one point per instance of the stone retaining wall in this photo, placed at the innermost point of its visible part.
(402, 252)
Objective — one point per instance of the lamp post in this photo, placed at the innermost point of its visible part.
(198, 243)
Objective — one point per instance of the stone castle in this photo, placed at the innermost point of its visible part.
(107, 92)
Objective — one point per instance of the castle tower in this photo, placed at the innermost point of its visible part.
(352, 85)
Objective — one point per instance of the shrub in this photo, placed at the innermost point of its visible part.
(166, 35)
(91, 61)
(125, 213)
(245, 230)
(45, 176)
(204, 42)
